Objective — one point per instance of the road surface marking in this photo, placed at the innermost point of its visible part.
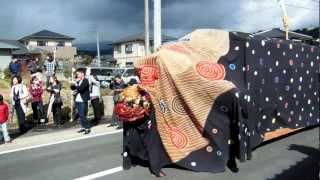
(59, 142)
(101, 174)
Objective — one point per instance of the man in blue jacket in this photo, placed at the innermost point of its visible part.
(15, 67)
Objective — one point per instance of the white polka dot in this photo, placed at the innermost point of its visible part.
(297, 125)
(302, 109)
(267, 99)
(300, 78)
(309, 101)
(284, 71)
(280, 98)
(269, 53)
(193, 164)
(290, 46)
(307, 72)
(294, 96)
(284, 53)
(264, 117)
(247, 44)
(291, 80)
(253, 51)
(311, 64)
(302, 49)
(273, 120)
(299, 87)
(317, 57)
(125, 154)
(297, 55)
(243, 69)
(310, 114)
(237, 94)
(255, 73)
(291, 112)
(278, 114)
(277, 63)
(315, 93)
(237, 48)
(249, 98)
(300, 117)
(263, 43)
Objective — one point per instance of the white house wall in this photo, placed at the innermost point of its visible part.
(123, 57)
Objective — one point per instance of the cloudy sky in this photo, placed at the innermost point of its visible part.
(117, 18)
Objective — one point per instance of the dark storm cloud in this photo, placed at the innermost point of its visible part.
(116, 18)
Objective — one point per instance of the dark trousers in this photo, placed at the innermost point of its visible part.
(21, 117)
(82, 108)
(56, 110)
(38, 111)
(114, 118)
(96, 109)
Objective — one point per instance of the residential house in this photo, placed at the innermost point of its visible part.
(50, 41)
(6, 49)
(129, 49)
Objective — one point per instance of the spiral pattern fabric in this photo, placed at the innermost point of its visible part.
(211, 71)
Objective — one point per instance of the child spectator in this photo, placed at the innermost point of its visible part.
(4, 114)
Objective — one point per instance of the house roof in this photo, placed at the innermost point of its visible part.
(140, 37)
(278, 33)
(46, 34)
(10, 44)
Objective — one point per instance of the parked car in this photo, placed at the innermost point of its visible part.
(106, 74)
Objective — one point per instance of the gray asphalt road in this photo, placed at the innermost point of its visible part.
(295, 157)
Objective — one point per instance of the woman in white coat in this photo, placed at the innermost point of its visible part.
(19, 95)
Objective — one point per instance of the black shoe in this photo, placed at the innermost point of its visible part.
(87, 131)
(81, 130)
(110, 125)
(232, 165)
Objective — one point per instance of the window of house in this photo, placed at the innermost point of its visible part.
(118, 48)
(129, 48)
(41, 43)
(61, 44)
(129, 72)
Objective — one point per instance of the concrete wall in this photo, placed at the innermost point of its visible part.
(5, 58)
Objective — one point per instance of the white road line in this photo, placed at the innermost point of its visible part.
(101, 174)
(60, 142)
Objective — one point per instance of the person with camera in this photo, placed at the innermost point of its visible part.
(82, 95)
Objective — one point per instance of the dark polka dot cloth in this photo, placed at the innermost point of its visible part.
(278, 83)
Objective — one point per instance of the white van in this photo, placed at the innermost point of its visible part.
(106, 74)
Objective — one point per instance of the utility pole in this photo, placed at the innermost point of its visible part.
(98, 50)
(146, 27)
(285, 18)
(157, 24)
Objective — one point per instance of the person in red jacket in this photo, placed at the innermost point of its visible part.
(4, 114)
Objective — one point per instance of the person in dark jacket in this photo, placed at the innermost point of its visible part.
(82, 96)
(55, 103)
(15, 67)
(117, 86)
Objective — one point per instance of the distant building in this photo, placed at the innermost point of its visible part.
(129, 49)
(50, 41)
(6, 49)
